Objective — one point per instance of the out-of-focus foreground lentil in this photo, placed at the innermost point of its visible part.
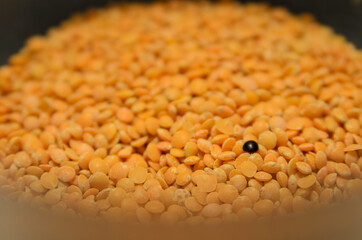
(141, 112)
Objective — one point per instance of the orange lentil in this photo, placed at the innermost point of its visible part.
(49, 180)
(178, 210)
(155, 207)
(268, 139)
(271, 167)
(343, 170)
(58, 155)
(255, 183)
(227, 193)
(98, 165)
(125, 115)
(177, 152)
(355, 170)
(257, 159)
(248, 168)
(22, 159)
(264, 207)
(286, 152)
(183, 178)
(140, 195)
(239, 182)
(211, 210)
(37, 187)
(270, 191)
(153, 152)
(306, 182)
(138, 174)
(127, 184)
(204, 145)
(116, 196)
(227, 155)
(53, 196)
(191, 160)
(152, 125)
(224, 126)
(206, 183)
(228, 144)
(192, 204)
(263, 176)
(99, 180)
(282, 179)
(118, 171)
(303, 167)
(190, 149)
(277, 122)
(179, 139)
(252, 193)
(66, 173)
(241, 202)
(165, 121)
(330, 180)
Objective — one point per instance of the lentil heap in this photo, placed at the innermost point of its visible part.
(141, 112)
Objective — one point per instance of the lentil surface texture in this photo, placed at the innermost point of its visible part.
(142, 111)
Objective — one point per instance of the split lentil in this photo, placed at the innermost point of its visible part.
(160, 112)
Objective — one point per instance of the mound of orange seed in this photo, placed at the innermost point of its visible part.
(141, 112)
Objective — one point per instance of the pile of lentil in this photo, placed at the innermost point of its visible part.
(141, 112)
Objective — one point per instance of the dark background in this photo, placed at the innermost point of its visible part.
(20, 19)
